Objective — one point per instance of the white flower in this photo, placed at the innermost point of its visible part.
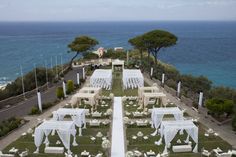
(106, 144)
(129, 154)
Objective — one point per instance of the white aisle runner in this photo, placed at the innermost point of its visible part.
(117, 147)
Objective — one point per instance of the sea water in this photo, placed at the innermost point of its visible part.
(203, 48)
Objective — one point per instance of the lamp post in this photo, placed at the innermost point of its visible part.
(163, 79)
(200, 101)
(35, 76)
(151, 72)
(178, 89)
(56, 66)
(22, 81)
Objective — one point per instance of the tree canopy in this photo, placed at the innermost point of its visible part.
(153, 41)
(82, 44)
(137, 42)
(158, 39)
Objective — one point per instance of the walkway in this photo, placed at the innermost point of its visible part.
(224, 131)
(117, 147)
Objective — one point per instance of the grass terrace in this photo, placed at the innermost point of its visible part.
(140, 143)
(84, 143)
(145, 145)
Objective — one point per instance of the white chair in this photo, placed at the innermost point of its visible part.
(206, 153)
(24, 154)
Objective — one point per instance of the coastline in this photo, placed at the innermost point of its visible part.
(216, 39)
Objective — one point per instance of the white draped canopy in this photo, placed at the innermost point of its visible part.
(145, 99)
(90, 90)
(64, 130)
(141, 90)
(89, 93)
(158, 114)
(118, 62)
(132, 78)
(77, 115)
(101, 78)
(170, 128)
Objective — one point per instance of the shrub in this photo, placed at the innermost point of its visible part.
(70, 86)
(34, 111)
(8, 125)
(220, 106)
(60, 93)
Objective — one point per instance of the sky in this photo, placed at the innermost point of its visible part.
(117, 10)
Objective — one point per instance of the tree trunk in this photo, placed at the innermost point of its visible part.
(72, 59)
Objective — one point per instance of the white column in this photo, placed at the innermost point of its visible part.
(151, 71)
(83, 72)
(200, 99)
(163, 78)
(39, 101)
(78, 81)
(64, 88)
(178, 89)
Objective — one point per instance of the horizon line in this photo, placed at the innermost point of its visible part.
(74, 21)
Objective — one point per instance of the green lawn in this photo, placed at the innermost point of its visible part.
(117, 89)
(84, 142)
(208, 143)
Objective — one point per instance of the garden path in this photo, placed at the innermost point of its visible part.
(117, 147)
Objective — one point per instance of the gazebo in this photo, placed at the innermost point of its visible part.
(101, 78)
(158, 114)
(169, 129)
(152, 89)
(77, 115)
(86, 93)
(90, 90)
(145, 99)
(64, 129)
(132, 78)
(117, 62)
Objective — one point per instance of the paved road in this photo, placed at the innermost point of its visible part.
(23, 108)
(225, 131)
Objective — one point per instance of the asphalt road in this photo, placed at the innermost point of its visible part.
(24, 108)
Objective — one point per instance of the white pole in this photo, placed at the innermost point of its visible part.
(78, 81)
(22, 81)
(200, 99)
(39, 101)
(46, 72)
(56, 66)
(163, 78)
(178, 89)
(127, 56)
(61, 64)
(64, 88)
(151, 71)
(51, 63)
(35, 76)
(83, 73)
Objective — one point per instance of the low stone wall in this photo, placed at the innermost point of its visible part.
(184, 99)
(19, 98)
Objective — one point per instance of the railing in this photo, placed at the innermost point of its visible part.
(19, 98)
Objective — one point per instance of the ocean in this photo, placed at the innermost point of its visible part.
(204, 48)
